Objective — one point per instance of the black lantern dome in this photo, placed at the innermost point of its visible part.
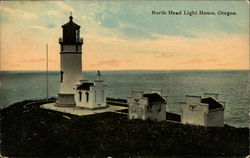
(71, 33)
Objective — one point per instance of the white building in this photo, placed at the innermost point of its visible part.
(206, 111)
(147, 106)
(90, 95)
(74, 91)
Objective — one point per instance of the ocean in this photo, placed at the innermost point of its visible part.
(233, 87)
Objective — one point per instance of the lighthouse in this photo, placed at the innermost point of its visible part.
(70, 63)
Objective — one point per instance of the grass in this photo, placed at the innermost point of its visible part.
(29, 131)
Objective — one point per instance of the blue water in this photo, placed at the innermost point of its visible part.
(233, 87)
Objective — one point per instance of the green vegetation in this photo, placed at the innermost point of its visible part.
(27, 130)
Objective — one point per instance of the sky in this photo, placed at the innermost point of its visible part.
(124, 35)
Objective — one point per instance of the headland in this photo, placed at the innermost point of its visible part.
(28, 130)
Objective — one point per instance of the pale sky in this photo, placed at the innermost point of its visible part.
(123, 35)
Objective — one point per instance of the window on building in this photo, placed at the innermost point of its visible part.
(192, 107)
(80, 96)
(103, 95)
(61, 73)
(87, 96)
(95, 95)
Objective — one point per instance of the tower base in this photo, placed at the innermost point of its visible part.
(65, 100)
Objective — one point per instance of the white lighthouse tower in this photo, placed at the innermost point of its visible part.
(71, 63)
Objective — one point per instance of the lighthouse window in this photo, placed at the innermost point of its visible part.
(61, 76)
(87, 96)
(77, 35)
(80, 96)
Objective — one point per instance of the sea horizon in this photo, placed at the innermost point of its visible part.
(129, 70)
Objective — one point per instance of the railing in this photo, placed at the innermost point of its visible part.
(118, 102)
(77, 40)
(60, 39)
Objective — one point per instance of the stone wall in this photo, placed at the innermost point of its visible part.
(215, 118)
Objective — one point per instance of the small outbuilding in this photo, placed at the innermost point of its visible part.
(205, 111)
(147, 106)
(90, 95)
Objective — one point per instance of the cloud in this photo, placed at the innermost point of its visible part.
(50, 26)
(212, 60)
(14, 65)
(65, 7)
(111, 62)
(38, 60)
(224, 64)
(192, 61)
(164, 56)
(52, 12)
(123, 25)
(110, 37)
(172, 52)
(19, 13)
(39, 28)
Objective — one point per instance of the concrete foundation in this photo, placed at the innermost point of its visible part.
(82, 111)
(65, 100)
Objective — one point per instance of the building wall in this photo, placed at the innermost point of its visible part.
(157, 112)
(215, 118)
(83, 102)
(139, 108)
(97, 96)
(193, 99)
(71, 65)
(137, 105)
(197, 113)
(193, 113)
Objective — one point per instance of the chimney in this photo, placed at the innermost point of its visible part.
(137, 94)
(193, 99)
